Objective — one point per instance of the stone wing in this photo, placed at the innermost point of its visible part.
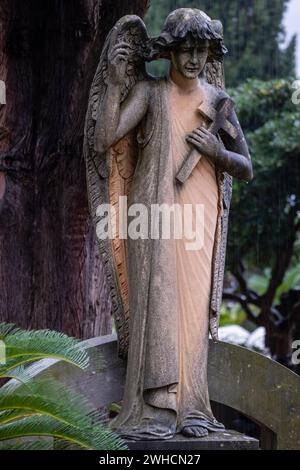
(109, 176)
(215, 76)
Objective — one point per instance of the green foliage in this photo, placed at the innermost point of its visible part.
(265, 211)
(258, 282)
(27, 346)
(291, 281)
(35, 407)
(253, 35)
(231, 313)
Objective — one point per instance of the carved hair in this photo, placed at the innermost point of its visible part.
(189, 21)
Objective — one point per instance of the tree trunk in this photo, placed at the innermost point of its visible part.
(50, 271)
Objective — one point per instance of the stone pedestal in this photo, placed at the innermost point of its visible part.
(227, 440)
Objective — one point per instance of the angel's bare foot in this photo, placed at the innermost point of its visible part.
(194, 431)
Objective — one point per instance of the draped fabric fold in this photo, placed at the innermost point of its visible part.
(169, 286)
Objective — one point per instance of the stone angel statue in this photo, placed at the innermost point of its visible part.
(166, 141)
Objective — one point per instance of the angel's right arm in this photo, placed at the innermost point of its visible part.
(116, 120)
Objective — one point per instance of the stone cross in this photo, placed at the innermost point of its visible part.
(218, 117)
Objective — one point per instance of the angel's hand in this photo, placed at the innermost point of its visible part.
(117, 62)
(205, 142)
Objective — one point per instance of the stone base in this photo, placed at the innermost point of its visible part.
(226, 440)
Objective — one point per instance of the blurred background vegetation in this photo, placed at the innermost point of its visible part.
(263, 270)
(254, 35)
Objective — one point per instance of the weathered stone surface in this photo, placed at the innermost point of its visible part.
(248, 382)
(228, 440)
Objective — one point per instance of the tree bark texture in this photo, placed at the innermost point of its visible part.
(50, 271)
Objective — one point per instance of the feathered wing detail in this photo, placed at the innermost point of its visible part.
(109, 176)
(215, 76)
(214, 69)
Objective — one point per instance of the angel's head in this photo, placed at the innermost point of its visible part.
(190, 39)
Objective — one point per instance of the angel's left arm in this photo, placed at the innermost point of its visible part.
(235, 158)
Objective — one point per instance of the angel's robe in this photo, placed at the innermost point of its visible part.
(194, 266)
(169, 286)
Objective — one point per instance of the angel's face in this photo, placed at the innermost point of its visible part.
(190, 57)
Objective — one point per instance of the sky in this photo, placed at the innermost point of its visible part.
(292, 26)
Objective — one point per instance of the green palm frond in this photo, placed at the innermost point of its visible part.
(6, 328)
(95, 438)
(20, 374)
(8, 369)
(23, 346)
(36, 444)
(32, 407)
(8, 416)
(46, 397)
